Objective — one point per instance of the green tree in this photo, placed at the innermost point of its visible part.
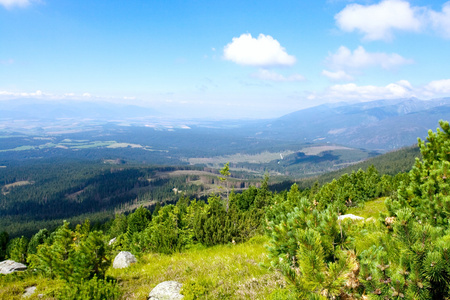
(17, 249)
(427, 193)
(4, 239)
(225, 172)
(139, 220)
(37, 239)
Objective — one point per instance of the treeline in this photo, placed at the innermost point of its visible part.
(33, 193)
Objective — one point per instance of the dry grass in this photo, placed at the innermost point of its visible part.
(7, 187)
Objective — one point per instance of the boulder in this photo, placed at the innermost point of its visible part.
(350, 216)
(10, 266)
(29, 291)
(123, 260)
(167, 290)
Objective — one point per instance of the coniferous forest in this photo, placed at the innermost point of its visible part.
(399, 251)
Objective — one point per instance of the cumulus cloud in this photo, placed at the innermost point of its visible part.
(399, 89)
(439, 86)
(440, 21)
(344, 58)
(12, 3)
(369, 92)
(263, 51)
(265, 74)
(337, 76)
(378, 21)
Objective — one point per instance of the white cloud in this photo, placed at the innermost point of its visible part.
(352, 91)
(337, 76)
(345, 59)
(439, 86)
(274, 76)
(263, 51)
(440, 21)
(377, 21)
(35, 94)
(12, 3)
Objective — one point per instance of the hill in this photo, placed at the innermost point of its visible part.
(381, 125)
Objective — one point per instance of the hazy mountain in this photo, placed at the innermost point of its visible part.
(51, 110)
(381, 125)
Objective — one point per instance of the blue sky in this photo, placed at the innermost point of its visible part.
(224, 59)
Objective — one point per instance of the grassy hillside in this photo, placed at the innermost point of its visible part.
(220, 272)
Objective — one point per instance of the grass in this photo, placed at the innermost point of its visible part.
(370, 208)
(220, 272)
(12, 286)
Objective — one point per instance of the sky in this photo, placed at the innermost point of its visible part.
(224, 59)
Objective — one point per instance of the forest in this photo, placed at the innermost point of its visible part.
(401, 252)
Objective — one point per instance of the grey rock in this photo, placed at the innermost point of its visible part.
(167, 290)
(123, 260)
(112, 241)
(29, 291)
(350, 216)
(10, 266)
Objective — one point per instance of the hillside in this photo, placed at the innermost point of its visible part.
(381, 125)
(314, 250)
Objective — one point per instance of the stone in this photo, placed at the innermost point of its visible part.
(167, 290)
(123, 260)
(350, 216)
(10, 266)
(112, 241)
(29, 291)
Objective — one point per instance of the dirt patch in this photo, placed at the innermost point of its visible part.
(7, 187)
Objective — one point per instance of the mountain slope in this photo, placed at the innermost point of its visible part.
(378, 125)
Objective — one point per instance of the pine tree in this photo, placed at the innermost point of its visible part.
(428, 191)
(4, 239)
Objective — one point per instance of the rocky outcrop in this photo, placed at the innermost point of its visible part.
(10, 266)
(350, 216)
(29, 291)
(123, 260)
(167, 290)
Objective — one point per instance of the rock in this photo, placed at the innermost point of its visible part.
(123, 260)
(112, 241)
(29, 291)
(10, 266)
(167, 290)
(350, 216)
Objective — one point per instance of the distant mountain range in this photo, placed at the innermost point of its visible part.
(381, 125)
(378, 125)
(65, 109)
